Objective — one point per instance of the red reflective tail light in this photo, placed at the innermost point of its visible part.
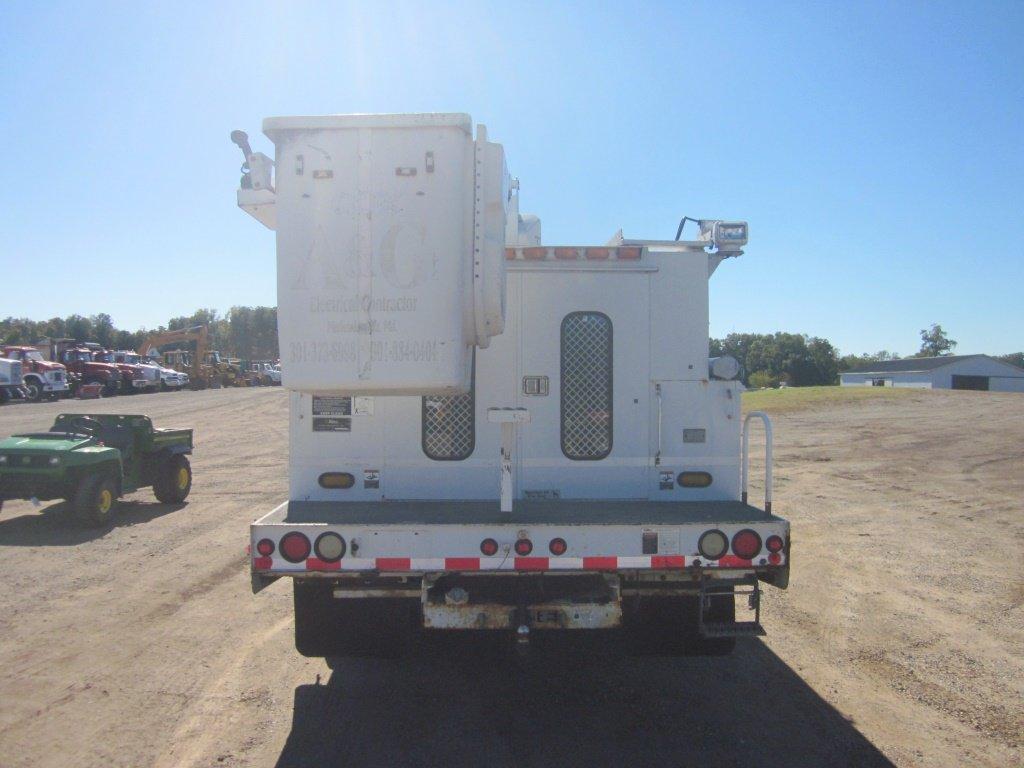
(746, 544)
(265, 547)
(524, 547)
(774, 543)
(489, 547)
(558, 547)
(295, 547)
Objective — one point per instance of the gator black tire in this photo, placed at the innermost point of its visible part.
(95, 501)
(111, 388)
(667, 626)
(328, 627)
(173, 480)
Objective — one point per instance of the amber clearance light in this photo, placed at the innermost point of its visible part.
(336, 480)
(694, 479)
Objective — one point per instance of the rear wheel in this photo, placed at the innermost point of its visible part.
(326, 626)
(95, 500)
(174, 480)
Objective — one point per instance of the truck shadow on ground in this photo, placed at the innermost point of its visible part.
(462, 705)
(56, 526)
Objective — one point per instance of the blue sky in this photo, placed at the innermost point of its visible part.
(875, 148)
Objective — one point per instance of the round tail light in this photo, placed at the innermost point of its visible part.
(524, 547)
(489, 547)
(329, 547)
(713, 544)
(773, 543)
(294, 547)
(746, 544)
(558, 547)
(265, 547)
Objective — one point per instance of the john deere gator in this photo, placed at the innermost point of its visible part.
(93, 460)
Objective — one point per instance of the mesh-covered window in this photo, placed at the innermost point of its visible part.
(586, 385)
(449, 425)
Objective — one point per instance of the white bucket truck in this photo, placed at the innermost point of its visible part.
(488, 433)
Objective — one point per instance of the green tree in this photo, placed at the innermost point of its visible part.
(78, 327)
(762, 380)
(103, 330)
(935, 342)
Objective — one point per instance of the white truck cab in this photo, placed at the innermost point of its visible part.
(487, 432)
(11, 380)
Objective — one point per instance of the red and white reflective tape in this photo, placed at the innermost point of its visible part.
(434, 564)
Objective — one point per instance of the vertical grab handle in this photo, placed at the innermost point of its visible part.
(745, 466)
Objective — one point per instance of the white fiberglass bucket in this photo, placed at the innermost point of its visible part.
(390, 250)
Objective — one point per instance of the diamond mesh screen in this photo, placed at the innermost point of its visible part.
(586, 385)
(449, 429)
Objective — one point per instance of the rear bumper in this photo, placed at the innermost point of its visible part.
(668, 547)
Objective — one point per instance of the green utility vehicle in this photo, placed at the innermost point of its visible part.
(91, 461)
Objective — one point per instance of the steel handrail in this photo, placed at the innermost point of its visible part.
(745, 466)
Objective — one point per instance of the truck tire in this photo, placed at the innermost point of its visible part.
(326, 627)
(33, 389)
(667, 626)
(95, 501)
(173, 480)
(111, 388)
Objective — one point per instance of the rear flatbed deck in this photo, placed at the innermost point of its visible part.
(526, 512)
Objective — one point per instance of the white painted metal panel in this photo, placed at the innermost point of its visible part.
(547, 299)
(387, 275)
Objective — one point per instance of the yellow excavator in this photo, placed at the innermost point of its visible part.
(204, 366)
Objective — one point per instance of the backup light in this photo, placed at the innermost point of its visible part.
(713, 544)
(54, 461)
(329, 547)
(3, 458)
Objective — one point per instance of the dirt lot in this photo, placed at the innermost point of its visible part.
(900, 640)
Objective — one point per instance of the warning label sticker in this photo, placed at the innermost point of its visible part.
(331, 424)
(324, 405)
(339, 405)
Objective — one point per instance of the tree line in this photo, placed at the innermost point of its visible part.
(250, 333)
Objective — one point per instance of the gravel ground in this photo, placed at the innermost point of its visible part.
(899, 641)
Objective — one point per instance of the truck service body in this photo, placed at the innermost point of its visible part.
(578, 464)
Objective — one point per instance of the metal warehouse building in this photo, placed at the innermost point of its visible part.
(951, 372)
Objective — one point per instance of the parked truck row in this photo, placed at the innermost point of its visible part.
(56, 368)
